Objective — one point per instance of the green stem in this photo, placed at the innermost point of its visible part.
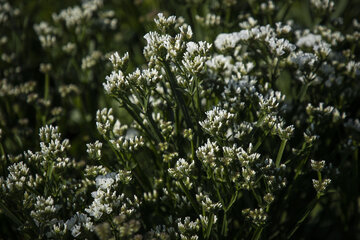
(139, 121)
(46, 97)
(154, 126)
(300, 166)
(289, 4)
(262, 137)
(306, 214)
(219, 196)
(209, 227)
(227, 16)
(144, 179)
(178, 96)
(257, 233)
(3, 161)
(46, 88)
(224, 228)
(116, 152)
(188, 195)
(303, 90)
(2, 150)
(138, 173)
(50, 171)
(193, 151)
(8, 110)
(10, 214)
(145, 106)
(280, 153)
(258, 143)
(319, 176)
(256, 196)
(232, 201)
(198, 96)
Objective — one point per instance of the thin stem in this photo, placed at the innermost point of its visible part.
(299, 167)
(256, 196)
(193, 151)
(209, 227)
(303, 90)
(137, 173)
(154, 126)
(319, 176)
(139, 121)
(178, 96)
(219, 195)
(224, 228)
(10, 214)
(46, 88)
(302, 219)
(46, 97)
(261, 140)
(232, 201)
(257, 233)
(289, 4)
(3, 159)
(2, 150)
(280, 153)
(190, 198)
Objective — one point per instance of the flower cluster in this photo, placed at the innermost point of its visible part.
(211, 136)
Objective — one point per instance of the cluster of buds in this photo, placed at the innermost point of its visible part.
(104, 121)
(257, 216)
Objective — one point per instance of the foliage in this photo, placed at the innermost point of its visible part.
(237, 121)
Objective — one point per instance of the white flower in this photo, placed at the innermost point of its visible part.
(115, 82)
(302, 59)
(192, 47)
(309, 40)
(226, 41)
(119, 62)
(105, 182)
(217, 121)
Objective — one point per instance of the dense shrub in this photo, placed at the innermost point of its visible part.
(237, 120)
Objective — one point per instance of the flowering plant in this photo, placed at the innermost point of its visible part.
(224, 133)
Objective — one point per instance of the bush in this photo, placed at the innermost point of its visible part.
(238, 120)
